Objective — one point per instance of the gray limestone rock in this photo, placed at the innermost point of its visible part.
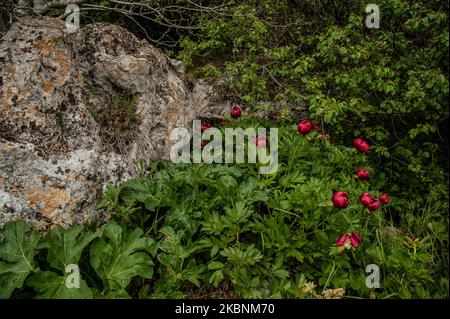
(78, 109)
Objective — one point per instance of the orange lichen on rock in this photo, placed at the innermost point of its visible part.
(57, 58)
(50, 199)
(47, 86)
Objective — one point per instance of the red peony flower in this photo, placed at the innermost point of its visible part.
(341, 240)
(385, 198)
(316, 127)
(361, 145)
(260, 141)
(205, 126)
(236, 111)
(362, 174)
(374, 205)
(340, 199)
(354, 239)
(366, 199)
(349, 240)
(304, 127)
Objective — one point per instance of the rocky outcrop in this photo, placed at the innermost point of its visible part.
(78, 109)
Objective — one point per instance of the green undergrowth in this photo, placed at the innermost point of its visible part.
(182, 228)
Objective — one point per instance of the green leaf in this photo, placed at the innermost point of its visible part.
(216, 278)
(49, 285)
(16, 256)
(238, 214)
(215, 265)
(120, 255)
(281, 273)
(193, 272)
(240, 257)
(228, 182)
(169, 261)
(65, 247)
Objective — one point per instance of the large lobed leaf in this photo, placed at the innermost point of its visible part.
(120, 255)
(64, 249)
(16, 256)
(65, 246)
(48, 284)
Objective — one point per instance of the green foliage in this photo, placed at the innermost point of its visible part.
(116, 256)
(65, 247)
(119, 256)
(270, 236)
(16, 257)
(388, 84)
(48, 285)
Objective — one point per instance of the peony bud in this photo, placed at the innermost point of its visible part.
(236, 111)
(365, 199)
(304, 127)
(385, 198)
(361, 145)
(340, 199)
(374, 205)
(362, 174)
